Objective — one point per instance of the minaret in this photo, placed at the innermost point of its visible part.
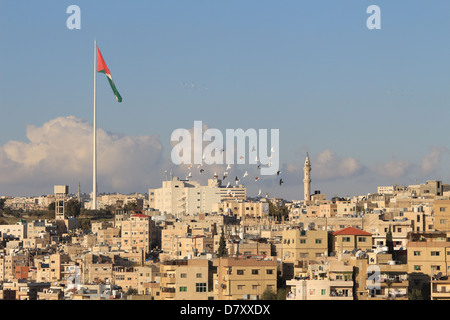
(307, 179)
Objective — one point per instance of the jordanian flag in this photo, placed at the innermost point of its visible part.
(103, 68)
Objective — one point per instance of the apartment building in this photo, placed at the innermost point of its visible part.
(428, 255)
(242, 209)
(441, 210)
(440, 288)
(15, 231)
(244, 279)
(349, 239)
(186, 280)
(138, 233)
(303, 245)
(329, 280)
(8, 265)
(185, 197)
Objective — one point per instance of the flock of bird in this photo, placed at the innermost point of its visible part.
(236, 179)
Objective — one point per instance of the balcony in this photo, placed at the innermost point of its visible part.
(341, 283)
(168, 290)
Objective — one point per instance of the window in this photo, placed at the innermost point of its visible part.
(417, 268)
(435, 268)
(318, 241)
(302, 240)
(269, 271)
(442, 209)
(417, 253)
(361, 239)
(183, 289)
(200, 287)
(240, 287)
(324, 292)
(345, 239)
(435, 253)
(255, 271)
(198, 275)
(183, 275)
(240, 272)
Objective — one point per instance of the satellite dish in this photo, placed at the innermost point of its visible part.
(439, 275)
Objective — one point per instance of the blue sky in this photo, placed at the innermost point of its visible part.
(312, 69)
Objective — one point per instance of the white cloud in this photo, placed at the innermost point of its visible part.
(393, 168)
(328, 165)
(60, 152)
(430, 163)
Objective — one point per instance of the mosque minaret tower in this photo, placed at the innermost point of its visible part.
(307, 179)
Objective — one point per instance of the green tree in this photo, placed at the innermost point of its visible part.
(51, 206)
(390, 242)
(2, 203)
(281, 294)
(131, 292)
(222, 251)
(130, 206)
(415, 294)
(278, 212)
(72, 208)
(84, 224)
(8, 211)
(269, 294)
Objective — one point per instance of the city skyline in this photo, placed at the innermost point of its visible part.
(367, 105)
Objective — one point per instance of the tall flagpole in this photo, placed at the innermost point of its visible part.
(94, 179)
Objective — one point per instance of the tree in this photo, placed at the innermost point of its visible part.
(222, 251)
(84, 224)
(51, 206)
(2, 203)
(72, 208)
(415, 294)
(281, 294)
(130, 206)
(390, 242)
(268, 294)
(131, 292)
(278, 212)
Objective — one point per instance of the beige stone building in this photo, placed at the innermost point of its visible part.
(427, 256)
(441, 209)
(186, 280)
(244, 279)
(349, 239)
(138, 233)
(304, 245)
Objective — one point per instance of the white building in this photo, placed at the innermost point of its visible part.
(189, 197)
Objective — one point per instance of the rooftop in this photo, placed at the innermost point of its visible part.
(351, 231)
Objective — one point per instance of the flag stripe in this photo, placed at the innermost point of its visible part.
(103, 68)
